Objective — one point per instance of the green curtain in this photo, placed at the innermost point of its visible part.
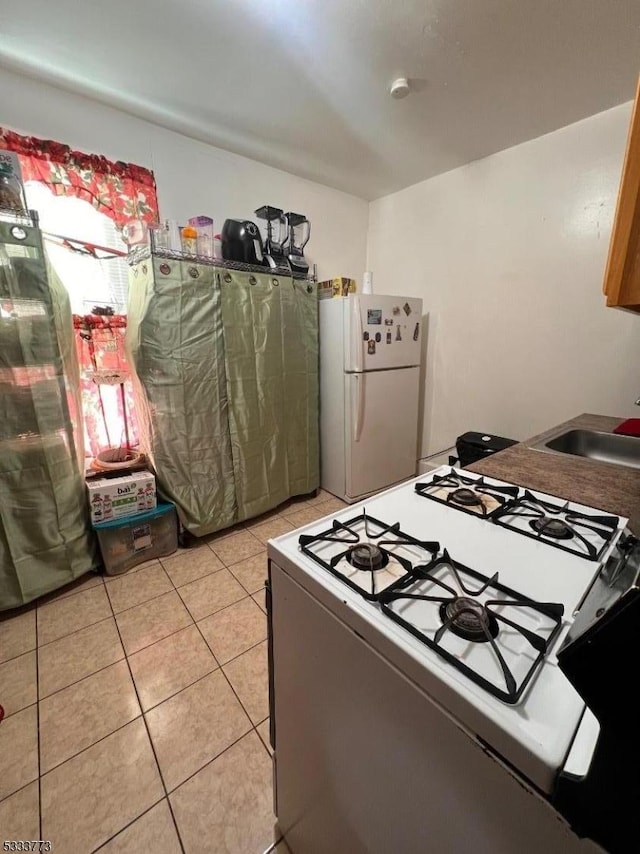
(45, 538)
(226, 379)
(174, 341)
(299, 305)
(253, 339)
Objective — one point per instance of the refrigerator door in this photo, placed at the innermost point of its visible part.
(381, 332)
(381, 429)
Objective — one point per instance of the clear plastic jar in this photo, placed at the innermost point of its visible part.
(189, 238)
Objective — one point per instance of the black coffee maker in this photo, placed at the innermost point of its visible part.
(298, 233)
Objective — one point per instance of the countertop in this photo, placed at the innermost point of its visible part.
(608, 487)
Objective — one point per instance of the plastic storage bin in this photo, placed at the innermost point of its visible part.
(131, 540)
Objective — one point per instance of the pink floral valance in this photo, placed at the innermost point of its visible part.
(122, 191)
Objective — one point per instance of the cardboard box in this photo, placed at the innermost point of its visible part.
(11, 188)
(340, 287)
(115, 497)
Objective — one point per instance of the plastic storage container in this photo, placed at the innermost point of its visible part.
(126, 542)
(204, 229)
(189, 237)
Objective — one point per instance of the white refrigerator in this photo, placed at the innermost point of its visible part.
(370, 348)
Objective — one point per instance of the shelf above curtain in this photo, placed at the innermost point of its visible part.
(140, 253)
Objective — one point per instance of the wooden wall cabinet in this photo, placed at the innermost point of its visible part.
(622, 273)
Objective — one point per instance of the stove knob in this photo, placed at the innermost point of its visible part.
(628, 543)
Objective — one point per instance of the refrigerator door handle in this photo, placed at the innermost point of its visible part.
(357, 342)
(359, 406)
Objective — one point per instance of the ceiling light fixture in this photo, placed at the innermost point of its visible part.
(399, 88)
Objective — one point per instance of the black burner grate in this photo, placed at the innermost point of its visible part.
(583, 534)
(464, 614)
(369, 553)
(467, 494)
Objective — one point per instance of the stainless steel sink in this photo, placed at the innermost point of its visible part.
(603, 447)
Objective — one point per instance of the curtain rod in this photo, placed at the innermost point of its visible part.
(92, 247)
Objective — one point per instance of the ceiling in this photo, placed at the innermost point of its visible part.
(303, 84)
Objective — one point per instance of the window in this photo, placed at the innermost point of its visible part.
(89, 281)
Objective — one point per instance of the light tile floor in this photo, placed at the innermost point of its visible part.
(136, 707)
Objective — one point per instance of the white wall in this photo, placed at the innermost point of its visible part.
(508, 255)
(192, 177)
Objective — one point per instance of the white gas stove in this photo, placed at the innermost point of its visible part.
(467, 585)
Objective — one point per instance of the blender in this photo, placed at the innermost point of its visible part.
(299, 231)
(274, 233)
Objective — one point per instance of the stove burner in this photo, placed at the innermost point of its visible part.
(466, 493)
(476, 608)
(369, 546)
(555, 522)
(367, 556)
(469, 619)
(555, 528)
(465, 497)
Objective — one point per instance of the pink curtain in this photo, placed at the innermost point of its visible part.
(122, 191)
(105, 383)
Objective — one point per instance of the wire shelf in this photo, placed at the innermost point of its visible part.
(141, 253)
(19, 216)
